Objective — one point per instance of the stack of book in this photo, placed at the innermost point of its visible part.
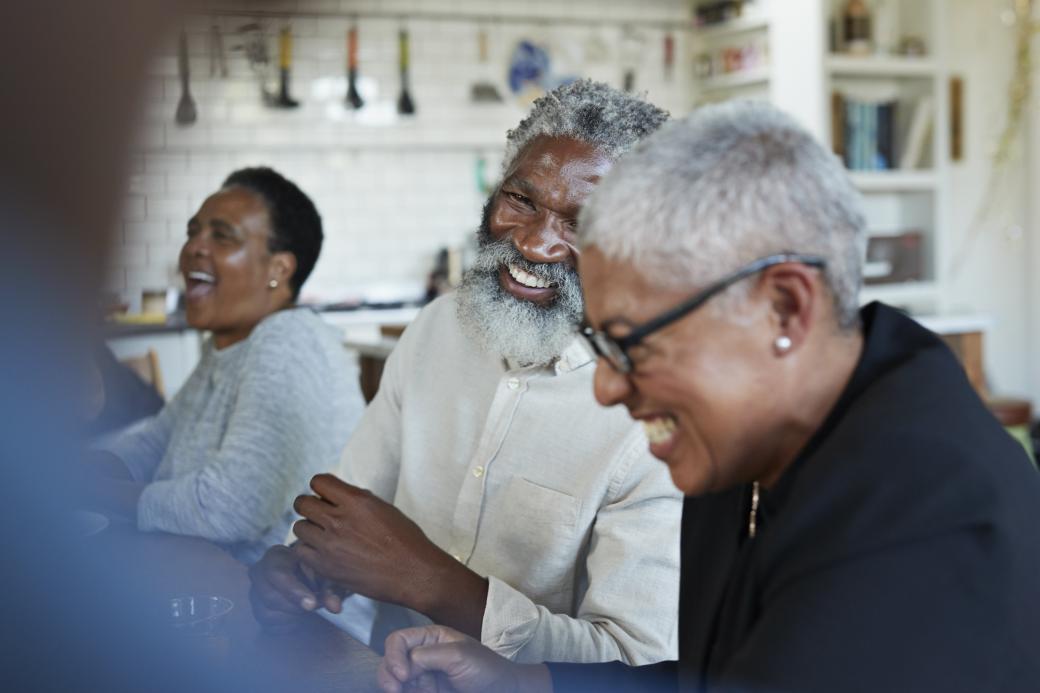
(865, 133)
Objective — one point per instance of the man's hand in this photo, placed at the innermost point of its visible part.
(368, 546)
(434, 659)
(283, 589)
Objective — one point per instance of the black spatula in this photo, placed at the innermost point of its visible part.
(283, 100)
(354, 99)
(186, 112)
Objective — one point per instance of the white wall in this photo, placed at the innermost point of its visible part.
(995, 277)
(1032, 187)
(390, 194)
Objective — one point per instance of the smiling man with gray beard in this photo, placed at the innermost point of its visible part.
(484, 488)
(519, 328)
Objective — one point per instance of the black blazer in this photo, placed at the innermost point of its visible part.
(899, 552)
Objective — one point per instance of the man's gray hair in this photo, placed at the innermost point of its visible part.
(726, 185)
(590, 112)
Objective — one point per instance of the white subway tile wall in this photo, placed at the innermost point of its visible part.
(391, 190)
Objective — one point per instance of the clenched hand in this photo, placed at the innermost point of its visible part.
(433, 659)
(356, 540)
(283, 589)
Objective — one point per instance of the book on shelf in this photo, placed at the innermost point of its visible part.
(894, 258)
(920, 127)
(865, 132)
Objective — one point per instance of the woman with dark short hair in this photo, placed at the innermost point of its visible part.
(274, 396)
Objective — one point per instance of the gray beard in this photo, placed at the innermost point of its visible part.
(519, 330)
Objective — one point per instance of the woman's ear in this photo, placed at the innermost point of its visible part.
(283, 266)
(794, 291)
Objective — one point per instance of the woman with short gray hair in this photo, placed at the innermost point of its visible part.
(855, 519)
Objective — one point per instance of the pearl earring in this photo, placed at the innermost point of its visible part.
(782, 344)
(273, 283)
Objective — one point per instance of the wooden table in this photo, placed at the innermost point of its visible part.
(317, 656)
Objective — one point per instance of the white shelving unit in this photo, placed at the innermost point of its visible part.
(881, 66)
(750, 78)
(914, 199)
(800, 76)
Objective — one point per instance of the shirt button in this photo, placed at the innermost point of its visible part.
(478, 472)
(513, 383)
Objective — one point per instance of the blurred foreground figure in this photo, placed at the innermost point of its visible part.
(72, 74)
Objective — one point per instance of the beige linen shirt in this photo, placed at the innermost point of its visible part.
(521, 475)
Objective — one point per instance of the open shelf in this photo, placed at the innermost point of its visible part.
(881, 66)
(900, 294)
(734, 26)
(734, 80)
(894, 181)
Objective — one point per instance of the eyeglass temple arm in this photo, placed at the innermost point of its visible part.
(698, 300)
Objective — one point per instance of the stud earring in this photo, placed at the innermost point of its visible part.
(273, 284)
(782, 344)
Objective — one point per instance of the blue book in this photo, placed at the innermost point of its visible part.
(872, 140)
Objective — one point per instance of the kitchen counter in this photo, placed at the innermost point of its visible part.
(346, 317)
(178, 345)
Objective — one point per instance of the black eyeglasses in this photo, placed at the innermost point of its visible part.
(615, 349)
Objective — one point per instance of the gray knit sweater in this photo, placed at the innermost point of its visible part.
(225, 458)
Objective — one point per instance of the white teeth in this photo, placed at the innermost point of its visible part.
(202, 277)
(526, 278)
(659, 430)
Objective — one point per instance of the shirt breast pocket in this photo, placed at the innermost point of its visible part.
(540, 535)
(532, 504)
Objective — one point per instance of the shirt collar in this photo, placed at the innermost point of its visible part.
(573, 357)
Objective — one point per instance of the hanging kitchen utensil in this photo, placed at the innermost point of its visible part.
(405, 105)
(484, 90)
(631, 53)
(283, 99)
(217, 59)
(257, 52)
(354, 99)
(669, 56)
(629, 80)
(186, 113)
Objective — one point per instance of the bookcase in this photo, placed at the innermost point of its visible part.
(883, 108)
